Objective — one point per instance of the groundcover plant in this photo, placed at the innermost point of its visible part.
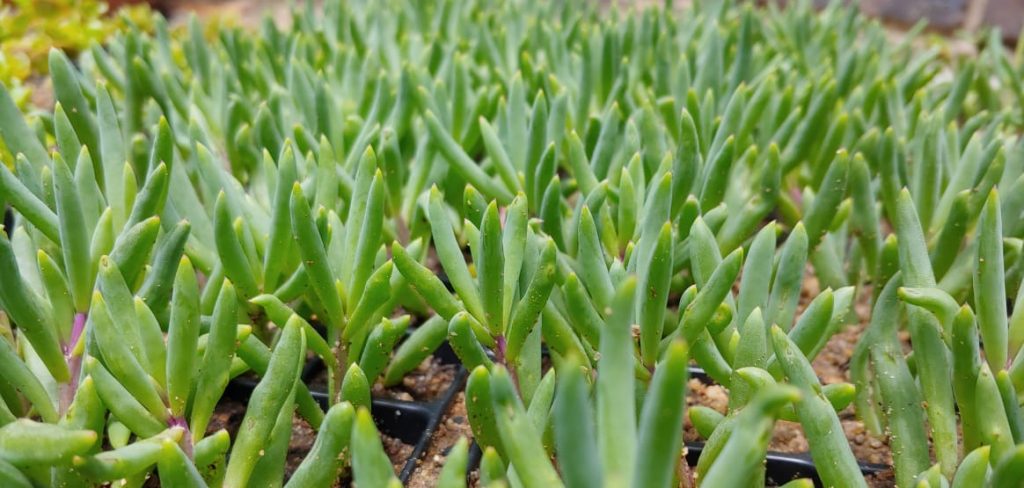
(584, 203)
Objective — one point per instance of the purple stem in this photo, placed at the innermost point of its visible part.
(500, 346)
(186, 438)
(76, 331)
(74, 362)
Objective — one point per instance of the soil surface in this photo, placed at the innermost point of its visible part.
(454, 425)
(230, 413)
(831, 366)
(788, 437)
(431, 379)
(426, 383)
(303, 436)
(398, 452)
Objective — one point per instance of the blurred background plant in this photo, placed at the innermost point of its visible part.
(29, 28)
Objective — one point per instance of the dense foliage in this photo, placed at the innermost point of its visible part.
(615, 195)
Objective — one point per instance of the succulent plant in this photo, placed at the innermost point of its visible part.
(582, 203)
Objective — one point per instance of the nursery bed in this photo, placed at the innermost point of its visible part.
(831, 365)
(616, 197)
(429, 381)
(411, 416)
(454, 425)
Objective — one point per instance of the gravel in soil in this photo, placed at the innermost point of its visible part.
(431, 379)
(303, 436)
(454, 425)
(832, 366)
(426, 383)
(398, 452)
(230, 413)
(788, 437)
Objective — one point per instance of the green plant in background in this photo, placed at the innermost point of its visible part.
(29, 29)
(581, 203)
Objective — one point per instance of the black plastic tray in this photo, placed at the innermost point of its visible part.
(781, 467)
(412, 422)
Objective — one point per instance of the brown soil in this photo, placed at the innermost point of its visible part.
(885, 479)
(398, 452)
(831, 365)
(431, 379)
(230, 413)
(454, 425)
(303, 436)
(833, 362)
(426, 383)
(788, 437)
